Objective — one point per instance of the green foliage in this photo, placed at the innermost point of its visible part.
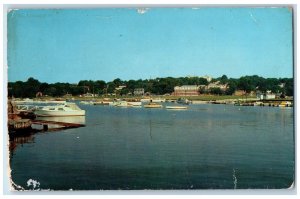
(232, 87)
(216, 91)
(159, 86)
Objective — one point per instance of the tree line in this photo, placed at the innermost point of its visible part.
(157, 86)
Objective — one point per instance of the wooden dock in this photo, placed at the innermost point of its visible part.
(19, 124)
(64, 125)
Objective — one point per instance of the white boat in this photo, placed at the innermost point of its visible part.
(153, 105)
(69, 119)
(183, 101)
(67, 109)
(157, 100)
(28, 101)
(101, 103)
(145, 100)
(177, 107)
(135, 103)
(25, 108)
(123, 104)
(87, 102)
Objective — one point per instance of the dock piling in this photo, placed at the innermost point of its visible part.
(45, 127)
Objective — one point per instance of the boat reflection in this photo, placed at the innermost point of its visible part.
(21, 138)
(16, 140)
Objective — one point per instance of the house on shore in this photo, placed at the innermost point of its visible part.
(139, 91)
(269, 95)
(217, 84)
(265, 96)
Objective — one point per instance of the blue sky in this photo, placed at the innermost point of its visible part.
(103, 44)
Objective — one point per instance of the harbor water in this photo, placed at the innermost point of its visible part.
(204, 147)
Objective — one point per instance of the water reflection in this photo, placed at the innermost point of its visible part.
(28, 137)
(16, 140)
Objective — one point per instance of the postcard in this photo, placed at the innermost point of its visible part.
(173, 98)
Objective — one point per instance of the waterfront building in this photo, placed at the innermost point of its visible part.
(266, 96)
(186, 90)
(259, 95)
(217, 84)
(139, 91)
(269, 95)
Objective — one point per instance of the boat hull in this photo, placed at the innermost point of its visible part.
(48, 113)
(135, 103)
(176, 107)
(152, 106)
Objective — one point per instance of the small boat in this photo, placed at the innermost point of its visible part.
(177, 107)
(183, 101)
(123, 104)
(87, 102)
(135, 103)
(101, 103)
(285, 104)
(67, 109)
(145, 100)
(152, 105)
(158, 100)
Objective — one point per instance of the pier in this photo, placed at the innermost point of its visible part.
(64, 125)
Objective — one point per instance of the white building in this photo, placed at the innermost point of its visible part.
(217, 85)
(139, 91)
(268, 96)
(186, 90)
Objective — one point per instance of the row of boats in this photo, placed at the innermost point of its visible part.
(123, 103)
(72, 109)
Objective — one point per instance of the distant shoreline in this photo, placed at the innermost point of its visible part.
(203, 98)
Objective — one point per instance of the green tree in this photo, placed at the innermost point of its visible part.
(289, 87)
(216, 91)
(246, 84)
(232, 86)
(224, 79)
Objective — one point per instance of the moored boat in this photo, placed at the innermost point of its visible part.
(67, 109)
(153, 105)
(135, 103)
(177, 107)
(285, 104)
(158, 100)
(183, 101)
(123, 104)
(101, 103)
(87, 102)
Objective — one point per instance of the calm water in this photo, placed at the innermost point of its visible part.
(204, 147)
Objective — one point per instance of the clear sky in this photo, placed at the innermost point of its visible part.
(104, 44)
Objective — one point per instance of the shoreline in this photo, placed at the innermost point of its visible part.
(167, 98)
